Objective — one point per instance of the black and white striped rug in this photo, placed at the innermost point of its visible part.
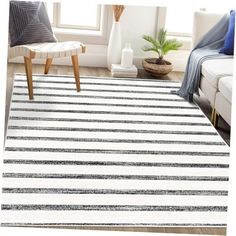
(122, 152)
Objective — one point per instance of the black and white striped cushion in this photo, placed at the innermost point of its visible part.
(29, 23)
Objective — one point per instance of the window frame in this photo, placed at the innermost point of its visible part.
(57, 19)
(89, 36)
(58, 24)
(184, 38)
(162, 14)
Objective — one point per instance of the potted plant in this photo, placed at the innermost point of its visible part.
(161, 45)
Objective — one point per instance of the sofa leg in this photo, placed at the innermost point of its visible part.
(213, 115)
(216, 118)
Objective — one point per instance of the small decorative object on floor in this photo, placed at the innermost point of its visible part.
(114, 45)
(117, 70)
(161, 45)
(127, 56)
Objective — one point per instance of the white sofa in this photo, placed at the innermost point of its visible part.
(216, 75)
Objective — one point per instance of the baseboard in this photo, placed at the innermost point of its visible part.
(98, 58)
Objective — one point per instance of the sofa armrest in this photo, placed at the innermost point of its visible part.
(202, 23)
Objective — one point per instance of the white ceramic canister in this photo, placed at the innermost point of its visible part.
(127, 55)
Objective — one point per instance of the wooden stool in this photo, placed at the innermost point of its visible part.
(48, 51)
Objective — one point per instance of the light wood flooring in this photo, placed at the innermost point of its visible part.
(223, 129)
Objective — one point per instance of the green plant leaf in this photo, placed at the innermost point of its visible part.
(152, 40)
(155, 46)
(169, 45)
(161, 45)
(161, 37)
(146, 49)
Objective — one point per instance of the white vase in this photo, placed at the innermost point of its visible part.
(127, 56)
(114, 45)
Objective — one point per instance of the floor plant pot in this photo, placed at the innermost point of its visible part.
(154, 69)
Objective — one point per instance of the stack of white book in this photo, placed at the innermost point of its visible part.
(118, 71)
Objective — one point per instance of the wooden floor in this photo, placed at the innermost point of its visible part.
(223, 129)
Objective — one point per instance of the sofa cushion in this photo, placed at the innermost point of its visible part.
(225, 87)
(228, 47)
(214, 69)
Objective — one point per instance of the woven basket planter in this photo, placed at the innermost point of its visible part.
(155, 69)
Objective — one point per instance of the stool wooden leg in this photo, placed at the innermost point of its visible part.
(47, 65)
(28, 70)
(75, 63)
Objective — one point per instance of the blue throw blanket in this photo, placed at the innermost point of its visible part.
(206, 49)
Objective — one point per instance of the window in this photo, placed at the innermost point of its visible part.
(179, 22)
(88, 16)
(87, 22)
(177, 25)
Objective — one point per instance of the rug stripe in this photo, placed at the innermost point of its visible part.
(110, 135)
(88, 78)
(107, 95)
(123, 147)
(107, 121)
(113, 191)
(108, 151)
(123, 158)
(126, 184)
(112, 108)
(119, 217)
(103, 97)
(130, 127)
(143, 88)
(139, 177)
(111, 130)
(105, 112)
(111, 208)
(93, 83)
(102, 104)
(103, 101)
(112, 118)
(107, 199)
(118, 170)
(99, 83)
(107, 163)
(96, 140)
(93, 90)
(111, 105)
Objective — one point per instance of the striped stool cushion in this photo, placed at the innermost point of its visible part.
(47, 50)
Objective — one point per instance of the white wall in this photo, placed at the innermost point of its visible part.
(135, 22)
(139, 20)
